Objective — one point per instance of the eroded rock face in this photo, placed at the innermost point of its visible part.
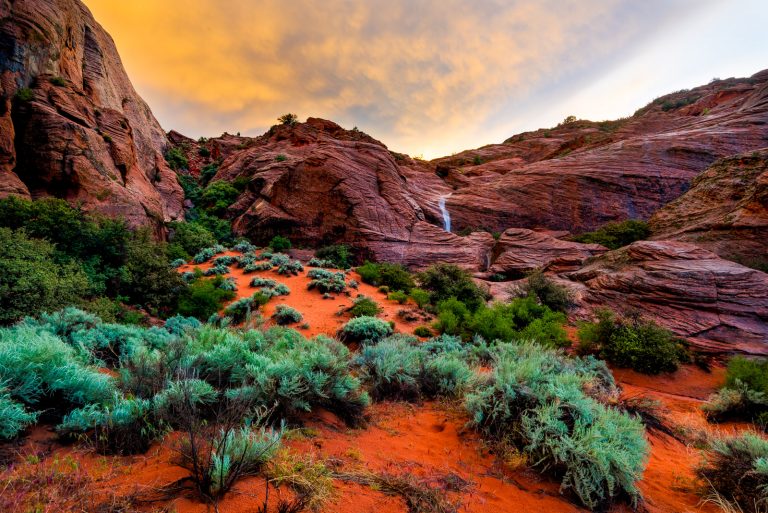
(581, 175)
(725, 211)
(717, 304)
(320, 184)
(520, 251)
(71, 124)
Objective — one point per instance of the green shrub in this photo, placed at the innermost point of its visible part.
(444, 281)
(179, 325)
(176, 159)
(399, 296)
(58, 81)
(122, 426)
(520, 319)
(284, 314)
(218, 269)
(365, 329)
(745, 392)
(280, 158)
(420, 297)
(218, 196)
(549, 293)
(257, 266)
(364, 306)
(341, 255)
(178, 263)
(292, 267)
(241, 309)
(633, 343)
(31, 280)
(224, 260)
(452, 316)
(536, 400)
(323, 264)
(24, 94)
(394, 276)
(288, 119)
(191, 238)
(203, 298)
(39, 369)
(422, 331)
(14, 418)
(616, 235)
(326, 281)
(737, 470)
(280, 244)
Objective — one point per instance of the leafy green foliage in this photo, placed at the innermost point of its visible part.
(399, 296)
(218, 196)
(549, 293)
(323, 264)
(394, 276)
(241, 309)
(31, 280)
(284, 314)
(420, 297)
(176, 159)
(341, 255)
(365, 329)
(326, 281)
(288, 119)
(536, 399)
(422, 331)
(280, 244)
(738, 471)
(203, 298)
(14, 418)
(633, 342)
(616, 235)
(190, 238)
(364, 306)
(745, 393)
(444, 281)
(292, 267)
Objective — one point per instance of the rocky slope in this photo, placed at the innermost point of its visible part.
(725, 211)
(71, 124)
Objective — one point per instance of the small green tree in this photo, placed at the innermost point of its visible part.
(288, 119)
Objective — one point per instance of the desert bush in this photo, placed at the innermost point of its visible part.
(520, 319)
(217, 269)
(353, 284)
(633, 342)
(224, 260)
(365, 329)
(452, 316)
(179, 325)
(191, 238)
(744, 394)
(294, 375)
(364, 306)
(292, 267)
(218, 196)
(420, 297)
(31, 280)
(536, 399)
(286, 315)
(257, 266)
(280, 244)
(326, 281)
(737, 470)
(204, 255)
(549, 293)
(228, 284)
(288, 119)
(176, 159)
(244, 246)
(260, 282)
(178, 263)
(278, 259)
(399, 296)
(398, 367)
(241, 309)
(422, 331)
(323, 264)
(444, 281)
(394, 276)
(341, 255)
(121, 426)
(14, 417)
(616, 235)
(203, 298)
(40, 370)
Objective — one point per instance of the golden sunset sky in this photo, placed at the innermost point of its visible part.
(427, 78)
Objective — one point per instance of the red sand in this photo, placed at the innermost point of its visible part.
(321, 314)
(425, 440)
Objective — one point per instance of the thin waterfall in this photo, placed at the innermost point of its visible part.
(446, 214)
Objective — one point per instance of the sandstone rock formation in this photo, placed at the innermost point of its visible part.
(583, 174)
(725, 211)
(717, 304)
(71, 124)
(520, 251)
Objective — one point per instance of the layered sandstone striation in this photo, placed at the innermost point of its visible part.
(72, 125)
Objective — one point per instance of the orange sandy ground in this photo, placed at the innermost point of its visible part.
(425, 440)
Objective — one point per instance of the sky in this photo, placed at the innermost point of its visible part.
(427, 78)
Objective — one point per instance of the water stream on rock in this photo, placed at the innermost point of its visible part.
(446, 214)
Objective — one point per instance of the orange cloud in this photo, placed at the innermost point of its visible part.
(421, 76)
